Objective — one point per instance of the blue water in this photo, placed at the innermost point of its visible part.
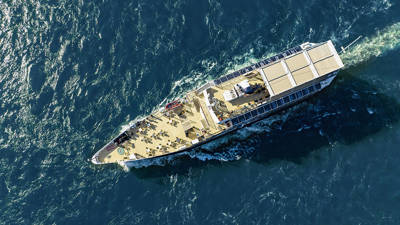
(74, 73)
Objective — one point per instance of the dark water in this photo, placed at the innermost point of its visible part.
(73, 73)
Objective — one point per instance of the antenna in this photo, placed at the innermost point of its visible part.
(348, 46)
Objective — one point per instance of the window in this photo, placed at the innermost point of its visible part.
(318, 86)
(267, 107)
(247, 115)
(280, 102)
(286, 99)
(292, 97)
(254, 113)
(305, 91)
(260, 110)
(241, 118)
(311, 89)
(299, 94)
(235, 121)
(273, 105)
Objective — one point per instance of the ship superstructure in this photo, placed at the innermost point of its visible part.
(226, 104)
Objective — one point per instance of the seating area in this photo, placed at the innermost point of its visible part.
(240, 89)
(238, 95)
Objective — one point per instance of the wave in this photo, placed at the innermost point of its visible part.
(382, 42)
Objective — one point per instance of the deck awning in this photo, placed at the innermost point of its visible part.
(306, 65)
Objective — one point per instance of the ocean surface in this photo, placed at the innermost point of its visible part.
(74, 73)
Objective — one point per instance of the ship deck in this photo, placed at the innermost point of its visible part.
(242, 104)
(197, 116)
(161, 134)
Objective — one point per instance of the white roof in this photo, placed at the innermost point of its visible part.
(311, 63)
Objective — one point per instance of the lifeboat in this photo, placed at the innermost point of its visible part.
(173, 105)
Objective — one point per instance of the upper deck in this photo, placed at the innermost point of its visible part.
(273, 77)
(292, 68)
(199, 115)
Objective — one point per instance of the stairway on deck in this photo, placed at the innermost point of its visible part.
(209, 119)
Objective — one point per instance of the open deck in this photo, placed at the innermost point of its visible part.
(162, 133)
(227, 109)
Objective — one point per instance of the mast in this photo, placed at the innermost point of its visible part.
(348, 46)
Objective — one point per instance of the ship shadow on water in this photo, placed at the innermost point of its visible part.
(348, 111)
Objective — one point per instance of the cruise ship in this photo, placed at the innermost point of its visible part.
(224, 105)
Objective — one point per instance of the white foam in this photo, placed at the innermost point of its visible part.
(370, 110)
(383, 41)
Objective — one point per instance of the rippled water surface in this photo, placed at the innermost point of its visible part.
(74, 73)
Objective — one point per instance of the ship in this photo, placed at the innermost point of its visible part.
(224, 105)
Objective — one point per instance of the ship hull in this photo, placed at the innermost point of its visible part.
(159, 159)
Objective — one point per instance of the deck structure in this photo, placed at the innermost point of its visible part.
(223, 104)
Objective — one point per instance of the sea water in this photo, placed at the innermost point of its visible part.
(74, 73)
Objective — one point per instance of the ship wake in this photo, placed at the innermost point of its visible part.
(377, 45)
